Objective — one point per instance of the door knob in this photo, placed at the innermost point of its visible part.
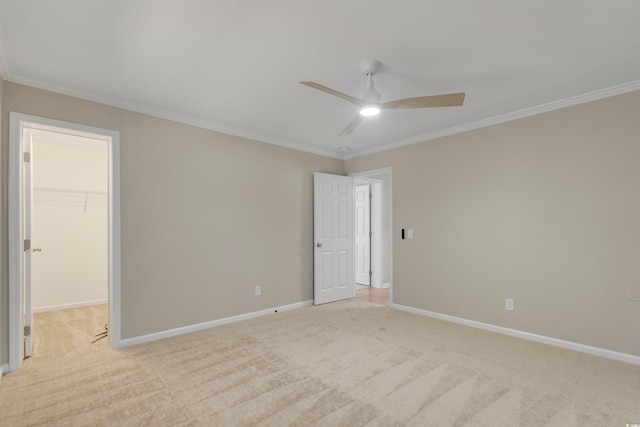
(319, 244)
(37, 249)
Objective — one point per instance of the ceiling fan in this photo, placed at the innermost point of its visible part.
(369, 102)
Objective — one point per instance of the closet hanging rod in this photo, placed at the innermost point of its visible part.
(69, 190)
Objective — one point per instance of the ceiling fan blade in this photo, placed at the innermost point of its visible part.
(449, 100)
(352, 125)
(330, 91)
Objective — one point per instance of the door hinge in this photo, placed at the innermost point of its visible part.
(27, 244)
(27, 157)
(370, 233)
(27, 331)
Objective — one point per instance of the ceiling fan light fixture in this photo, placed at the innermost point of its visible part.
(369, 110)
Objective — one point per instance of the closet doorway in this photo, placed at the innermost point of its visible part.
(68, 240)
(64, 231)
(68, 221)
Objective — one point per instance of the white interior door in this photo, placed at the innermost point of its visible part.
(333, 238)
(363, 235)
(27, 189)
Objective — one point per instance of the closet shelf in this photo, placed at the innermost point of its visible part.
(69, 190)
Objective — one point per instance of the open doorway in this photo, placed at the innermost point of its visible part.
(69, 242)
(64, 245)
(373, 239)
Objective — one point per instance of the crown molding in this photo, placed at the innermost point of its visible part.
(169, 115)
(531, 111)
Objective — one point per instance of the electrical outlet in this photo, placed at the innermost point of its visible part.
(258, 290)
(508, 304)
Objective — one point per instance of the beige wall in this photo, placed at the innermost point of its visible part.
(545, 210)
(205, 216)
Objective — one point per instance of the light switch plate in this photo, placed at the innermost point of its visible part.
(410, 233)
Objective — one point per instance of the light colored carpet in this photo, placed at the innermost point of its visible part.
(350, 363)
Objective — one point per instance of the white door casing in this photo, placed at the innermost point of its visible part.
(363, 235)
(377, 216)
(27, 197)
(18, 122)
(333, 238)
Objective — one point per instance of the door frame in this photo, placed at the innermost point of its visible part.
(368, 220)
(377, 228)
(17, 121)
(386, 176)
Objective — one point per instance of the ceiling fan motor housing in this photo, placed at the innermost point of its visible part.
(370, 94)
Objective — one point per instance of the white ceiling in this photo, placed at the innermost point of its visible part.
(234, 65)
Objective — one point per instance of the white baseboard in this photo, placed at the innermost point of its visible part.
(4, 369)
(380, 286)
(595, 351)
(206, 325)
(65, 306)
